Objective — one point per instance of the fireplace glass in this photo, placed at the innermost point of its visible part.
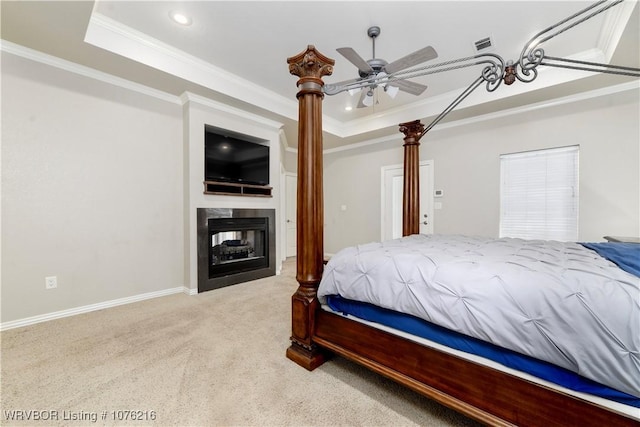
(237, 245)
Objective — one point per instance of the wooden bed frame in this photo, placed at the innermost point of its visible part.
(485, 394)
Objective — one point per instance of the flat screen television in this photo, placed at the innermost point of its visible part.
(234, 158)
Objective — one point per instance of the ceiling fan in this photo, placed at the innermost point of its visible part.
(379, 68)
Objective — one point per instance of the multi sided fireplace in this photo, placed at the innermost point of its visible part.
(234, 245)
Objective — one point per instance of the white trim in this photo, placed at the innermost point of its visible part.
(93, 307)
(596, 93)
(72, 67)
(189, 291)
(33, 55)
(284, 143)
(383, 195)
(615, 21)
(283, 206)
(115, 37)
(383, 139)
(219, 106)
(635, 85)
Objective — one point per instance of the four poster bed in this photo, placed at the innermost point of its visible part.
(447, 373)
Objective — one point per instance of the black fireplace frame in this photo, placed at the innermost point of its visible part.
(207, 283)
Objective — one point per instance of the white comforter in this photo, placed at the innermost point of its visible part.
(555, 301)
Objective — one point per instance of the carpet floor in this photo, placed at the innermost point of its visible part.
(214, 359)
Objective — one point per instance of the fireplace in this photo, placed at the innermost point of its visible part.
(234, 246)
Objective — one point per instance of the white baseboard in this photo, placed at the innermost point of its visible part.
(189, 291)
(93, 307)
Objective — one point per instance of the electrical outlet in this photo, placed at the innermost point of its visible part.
(51, 282)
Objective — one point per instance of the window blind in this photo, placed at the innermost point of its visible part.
(539, 194)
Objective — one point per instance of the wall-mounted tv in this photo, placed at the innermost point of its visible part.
(231, 157)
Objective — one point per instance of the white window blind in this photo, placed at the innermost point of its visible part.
(539, 194)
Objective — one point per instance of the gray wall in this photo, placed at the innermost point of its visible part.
(91, 191)
(93, 183)
(466, 165)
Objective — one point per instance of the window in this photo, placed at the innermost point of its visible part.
(539, 194)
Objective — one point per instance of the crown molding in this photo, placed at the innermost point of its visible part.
(615, 21)
(111, 35)
(596, 93)
(188, 97)
(115, 37)
(432, 106)
(72, 67)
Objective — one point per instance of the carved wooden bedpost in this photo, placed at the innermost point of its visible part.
(411, 193)
(310, 66)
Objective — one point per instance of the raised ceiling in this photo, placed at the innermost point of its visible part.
(235, 51)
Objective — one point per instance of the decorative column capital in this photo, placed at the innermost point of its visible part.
(310, 66)
(412, 132)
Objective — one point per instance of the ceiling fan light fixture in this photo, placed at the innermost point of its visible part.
(376, 72)
(392, 91)
(367, 101)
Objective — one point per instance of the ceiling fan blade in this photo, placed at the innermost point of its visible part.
(355, 59)
(418, 57)
(409, 86)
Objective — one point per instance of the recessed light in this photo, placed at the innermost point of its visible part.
(180, 18)
(348, 108)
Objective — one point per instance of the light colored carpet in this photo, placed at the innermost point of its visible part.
(215, 359)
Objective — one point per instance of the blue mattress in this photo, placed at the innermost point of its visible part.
(624, 255)
(511, 359)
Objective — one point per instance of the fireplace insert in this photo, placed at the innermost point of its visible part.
(234, 246)
(237, 245)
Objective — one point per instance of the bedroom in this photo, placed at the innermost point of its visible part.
(83, 186)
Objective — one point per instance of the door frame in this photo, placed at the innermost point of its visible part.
(284, 216)
(426, 191)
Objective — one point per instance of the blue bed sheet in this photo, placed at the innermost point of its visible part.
(624, 255)
(511, 359)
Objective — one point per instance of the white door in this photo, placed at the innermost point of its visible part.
(392, 187)
(291, 184)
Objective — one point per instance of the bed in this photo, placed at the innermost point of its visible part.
(472, 384)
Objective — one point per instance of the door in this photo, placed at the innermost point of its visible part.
(291, 188)
(392, 187)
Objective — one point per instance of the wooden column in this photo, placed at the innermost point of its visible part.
(310, 66)
(411, 188)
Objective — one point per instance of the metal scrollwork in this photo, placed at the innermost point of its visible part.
(525, 70)
(495, 70)
(528, 70)
(533, 55)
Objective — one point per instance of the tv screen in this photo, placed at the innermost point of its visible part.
(232, 158)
